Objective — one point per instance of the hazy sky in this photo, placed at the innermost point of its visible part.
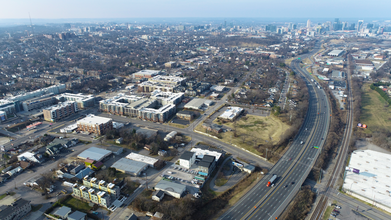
(194, 8)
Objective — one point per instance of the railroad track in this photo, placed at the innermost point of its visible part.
(322, 204)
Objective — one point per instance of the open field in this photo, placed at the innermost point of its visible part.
(254, 128)
(373, 110)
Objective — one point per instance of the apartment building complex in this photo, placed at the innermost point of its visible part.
(82, 101)
(60, 111)
(162, 83)
(17, 210)
(98, 192)
(38, 103)
(94, 124)
(159, 107)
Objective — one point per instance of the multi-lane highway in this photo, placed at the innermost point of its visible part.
(263, 202)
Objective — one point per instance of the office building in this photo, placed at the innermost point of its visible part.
(308, 24)
(95, 124)
(187, 159)
(60, 111)
(82, 101)
(360, 25)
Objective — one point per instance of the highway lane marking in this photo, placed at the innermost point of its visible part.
(303, 153)
(307, 122)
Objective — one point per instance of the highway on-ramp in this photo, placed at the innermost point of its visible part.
(263, 202)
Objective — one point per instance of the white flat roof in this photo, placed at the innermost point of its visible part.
(94, 153)
(79, 96)
(195, 103)
(200, 153)
(92, 119)
(60, 105)
(141, 158)
(167, 78)
(374, 178)
(231, 112)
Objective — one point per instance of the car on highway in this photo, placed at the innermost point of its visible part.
(301, 142)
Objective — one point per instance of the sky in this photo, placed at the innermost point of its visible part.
(58, 9)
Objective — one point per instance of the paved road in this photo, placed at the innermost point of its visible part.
(350, 203)
(263, 202)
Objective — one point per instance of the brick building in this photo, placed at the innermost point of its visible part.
(95, 124)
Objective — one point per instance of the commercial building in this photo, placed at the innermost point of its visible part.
(167, 98)
(335, 53)
(28, 156)
(145, 74)
(364, 63)
(187, 159)
(231, 113)
(152, 162)
(60, 111)
(82, 101)
(170, 188)
(195, 104)
(202, 150)
(17, 210)
(186, 115)
(131, 167)
(95, 124)
(367, 177)
(77, 215)
(207, 164)
(337, 74)
(94, 153)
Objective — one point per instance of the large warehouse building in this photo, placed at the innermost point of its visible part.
(129, 166)
(175, 190)
(94, 153)
(368, 177)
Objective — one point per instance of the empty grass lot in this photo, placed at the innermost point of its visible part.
(254, 128)
(373, 110)
(76, 204)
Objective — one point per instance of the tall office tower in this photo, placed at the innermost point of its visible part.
(344, 26)
(360, 25)
(336, 20)
(308, 23)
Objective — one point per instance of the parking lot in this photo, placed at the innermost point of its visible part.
(178, 174)
(176, 120)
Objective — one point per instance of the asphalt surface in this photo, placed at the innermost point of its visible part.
(263, 202)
